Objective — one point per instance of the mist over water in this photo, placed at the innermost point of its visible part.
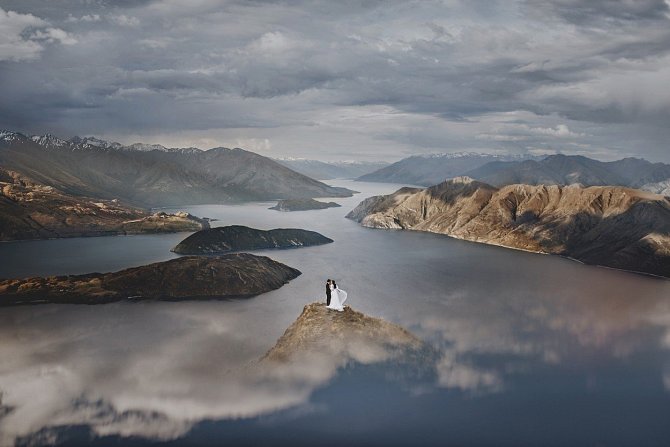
(532, 349)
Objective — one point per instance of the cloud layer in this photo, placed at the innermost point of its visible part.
(333, 80)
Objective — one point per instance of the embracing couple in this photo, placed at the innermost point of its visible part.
(335, 297)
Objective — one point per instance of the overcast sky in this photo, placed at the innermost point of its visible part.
(344, 79)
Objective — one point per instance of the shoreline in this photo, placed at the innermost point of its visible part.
(652, 275)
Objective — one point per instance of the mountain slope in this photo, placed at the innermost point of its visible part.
(153, 177)
(29, 210)
(569, 169)
(426, 170)
(611, 226)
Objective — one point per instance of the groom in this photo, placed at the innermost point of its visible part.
(328, 292)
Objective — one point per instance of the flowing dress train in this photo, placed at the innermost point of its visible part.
(337, 298)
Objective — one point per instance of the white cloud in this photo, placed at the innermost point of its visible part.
(13, 45)
(53, 35)
(253, 144)
(269, 70)
(560, 131)
(455, 374)
(124, 20)
(272, 41)
(84, 18)
(22, 36)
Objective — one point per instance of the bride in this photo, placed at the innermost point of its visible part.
(337, 297)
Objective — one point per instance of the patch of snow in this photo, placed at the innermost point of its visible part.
(8, 135)
(89, 142)
(49, 141)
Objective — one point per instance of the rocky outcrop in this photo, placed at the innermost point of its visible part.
(303, 205)
(241, 238)
(611, 226)
(187, 278)
(322, 331)
(30, 210)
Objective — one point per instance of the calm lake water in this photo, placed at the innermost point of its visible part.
(533, 349)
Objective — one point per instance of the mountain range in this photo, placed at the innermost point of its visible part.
(153, 175)
(426, 170)
(499, 171)
(605, 225)
(570, 169)
(322, 170)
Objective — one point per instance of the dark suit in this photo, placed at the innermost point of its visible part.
(327, 294)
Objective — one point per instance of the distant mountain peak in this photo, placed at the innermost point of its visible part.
(48, 140)
(453, 155)
(147, 147)
(95, 142)
(8, 135)
(464, 154)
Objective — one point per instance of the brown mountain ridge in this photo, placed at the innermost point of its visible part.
(605, 225)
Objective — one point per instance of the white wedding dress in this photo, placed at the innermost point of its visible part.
(337, 298)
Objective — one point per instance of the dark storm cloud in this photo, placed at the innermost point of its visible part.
(377, 79)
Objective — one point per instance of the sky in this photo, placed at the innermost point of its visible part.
(343, 80)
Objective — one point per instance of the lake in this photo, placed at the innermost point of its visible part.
(533, 349)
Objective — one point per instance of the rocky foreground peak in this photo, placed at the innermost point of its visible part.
(351, 334)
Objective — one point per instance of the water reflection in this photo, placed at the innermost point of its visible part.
(520, 337)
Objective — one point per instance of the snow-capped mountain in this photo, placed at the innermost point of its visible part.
(95, 142)
(9, 136)
(159, 147)
(48, 141)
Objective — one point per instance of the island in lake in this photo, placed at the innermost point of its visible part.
(241, 238)
(238, 275)
(605, 225)
(303, 205)
(31, 210)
